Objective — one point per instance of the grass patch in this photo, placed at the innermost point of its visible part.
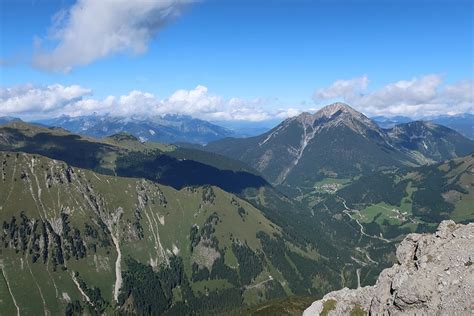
(381, 212)
(209, 285)
(328, 306)
(357, 310)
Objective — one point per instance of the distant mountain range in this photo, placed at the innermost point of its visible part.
(7, 119)
(179, 129)
(462, 123)
(248, 128)
(339, 142)
(167, 129)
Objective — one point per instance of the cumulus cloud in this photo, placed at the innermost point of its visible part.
(91, 29)
(290, 112)
(198, 100)
(36, 102)
(46, 99)
(342, 88)
(419, 97)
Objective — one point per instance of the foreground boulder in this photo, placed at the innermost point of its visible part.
(434, 276)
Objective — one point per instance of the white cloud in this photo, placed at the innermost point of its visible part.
(28, 98)
(91, 29)
(286, 113)
(342, 88)
(198, 100)
(37, 102)
(418, 97)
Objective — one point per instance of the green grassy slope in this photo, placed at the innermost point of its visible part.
(81, 241)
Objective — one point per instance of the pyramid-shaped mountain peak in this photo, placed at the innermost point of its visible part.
(334, 108)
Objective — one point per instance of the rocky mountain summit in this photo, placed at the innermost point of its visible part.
(339, 142)
(434, 276)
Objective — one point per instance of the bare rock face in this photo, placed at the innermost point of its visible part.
(434, 276)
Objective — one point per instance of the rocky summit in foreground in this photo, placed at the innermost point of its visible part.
(434, 276)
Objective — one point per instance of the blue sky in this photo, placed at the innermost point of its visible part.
(268, 54)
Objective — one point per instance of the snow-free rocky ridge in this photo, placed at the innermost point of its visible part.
(434, 276)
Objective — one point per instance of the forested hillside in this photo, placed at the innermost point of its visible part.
(106, 244)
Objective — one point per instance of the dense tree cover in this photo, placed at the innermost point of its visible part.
(38, 239)
(428, 202)
(97, 237)
(208, 195)
(394, 231)
(151, 293)
(274, 290)
(297, 270)
(250, 264)
(73, 244)
(199, 273)
(307, 230)
(74, 308)
(299, 225)
(213, 302)
(99, 304)
(208, 158)
(280, 261)
(194, 237)
(375, 188)
(220, 270)
(208, 228)
(386, 228)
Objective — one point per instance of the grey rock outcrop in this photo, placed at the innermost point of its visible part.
(434, 276)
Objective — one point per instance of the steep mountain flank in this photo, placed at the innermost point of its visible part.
(434, 276)
(124, 155)
(428, 141)
(334, 141)
(463, 123)
(76, 241)
(339, 142)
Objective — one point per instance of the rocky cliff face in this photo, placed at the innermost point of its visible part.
(434, 276)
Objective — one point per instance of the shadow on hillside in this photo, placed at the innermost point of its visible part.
(179, 173)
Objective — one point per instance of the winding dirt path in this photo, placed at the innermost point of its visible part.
(348, 211)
